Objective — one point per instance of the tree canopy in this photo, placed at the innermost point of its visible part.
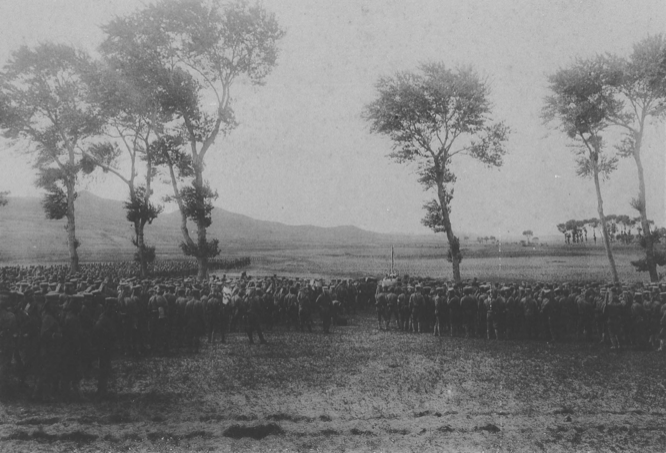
(431, 116)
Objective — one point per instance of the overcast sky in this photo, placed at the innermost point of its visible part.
(303, 154)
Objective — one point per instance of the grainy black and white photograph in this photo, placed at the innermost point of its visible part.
(332, 226)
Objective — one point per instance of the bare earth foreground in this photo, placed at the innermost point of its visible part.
(360, 389)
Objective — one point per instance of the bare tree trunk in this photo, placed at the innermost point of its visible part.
(72, 242)
(454, 244)
(604, 228)
(202, 258)
(642, 209)
(202, 255)
(141, 244)
(181, 208)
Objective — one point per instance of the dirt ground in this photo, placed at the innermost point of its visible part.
(361, 389)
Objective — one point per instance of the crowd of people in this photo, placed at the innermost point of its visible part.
(56, 328)
(623, 316)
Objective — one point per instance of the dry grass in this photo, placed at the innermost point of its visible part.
(487, 262)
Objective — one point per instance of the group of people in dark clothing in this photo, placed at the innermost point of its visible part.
(619, 315)
(57, 329)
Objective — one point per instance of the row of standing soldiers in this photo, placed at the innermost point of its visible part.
(56, 338)
(623, 318)
(55, 335)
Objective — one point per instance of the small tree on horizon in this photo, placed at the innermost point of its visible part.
(528, 234)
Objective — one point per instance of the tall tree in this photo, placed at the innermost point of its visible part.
(641, 89)
(198, 49)
(431, 116)
(581, 105)
(44, 103)
(132, 102)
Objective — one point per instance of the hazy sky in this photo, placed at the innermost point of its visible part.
(303, 154)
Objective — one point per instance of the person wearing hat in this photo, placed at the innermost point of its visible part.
(179, 317)
(50, 341)
(106, 336)
(441, 313)
(599, 316)
(72, 339)
(549, 313)
(195, 323)
(215, 318)
(530, 314)
(416, 305)
(613, 314)
(157, 319)
(87, 316)
(494, 309)
(662, 323)
(452, 299)
(325, 305)
(252, 315)
(381, 306)
(468, 311)
(392, 307)
(403, 310)
(8, 335)
(428, 312)
(304, 309)
(585, 306)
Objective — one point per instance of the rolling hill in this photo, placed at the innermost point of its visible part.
(27, 236)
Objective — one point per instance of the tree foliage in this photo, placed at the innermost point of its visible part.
(431, 116)
(45, 106)
(191, 52)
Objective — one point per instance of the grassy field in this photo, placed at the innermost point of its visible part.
(487, 262)
(360, 389)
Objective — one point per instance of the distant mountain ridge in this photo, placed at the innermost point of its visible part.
(103, 230)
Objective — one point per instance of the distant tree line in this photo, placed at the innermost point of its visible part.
(620, 229)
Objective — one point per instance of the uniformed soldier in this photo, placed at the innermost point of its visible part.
(530, 314)
(72, 340)
(106, 334)
(403, 309)
(252, 315)
(441, 312)
(549, 314)
(662, 322)
(8, 338)
(392, 307)
(381, 305)
(586, 307)
(468, 311)
(194, 313)
(157, 319)
(304, 309)
(599, 316)
(50, 342)
(613, 313)
(325, 305)
(417, 305)
(455, 313)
